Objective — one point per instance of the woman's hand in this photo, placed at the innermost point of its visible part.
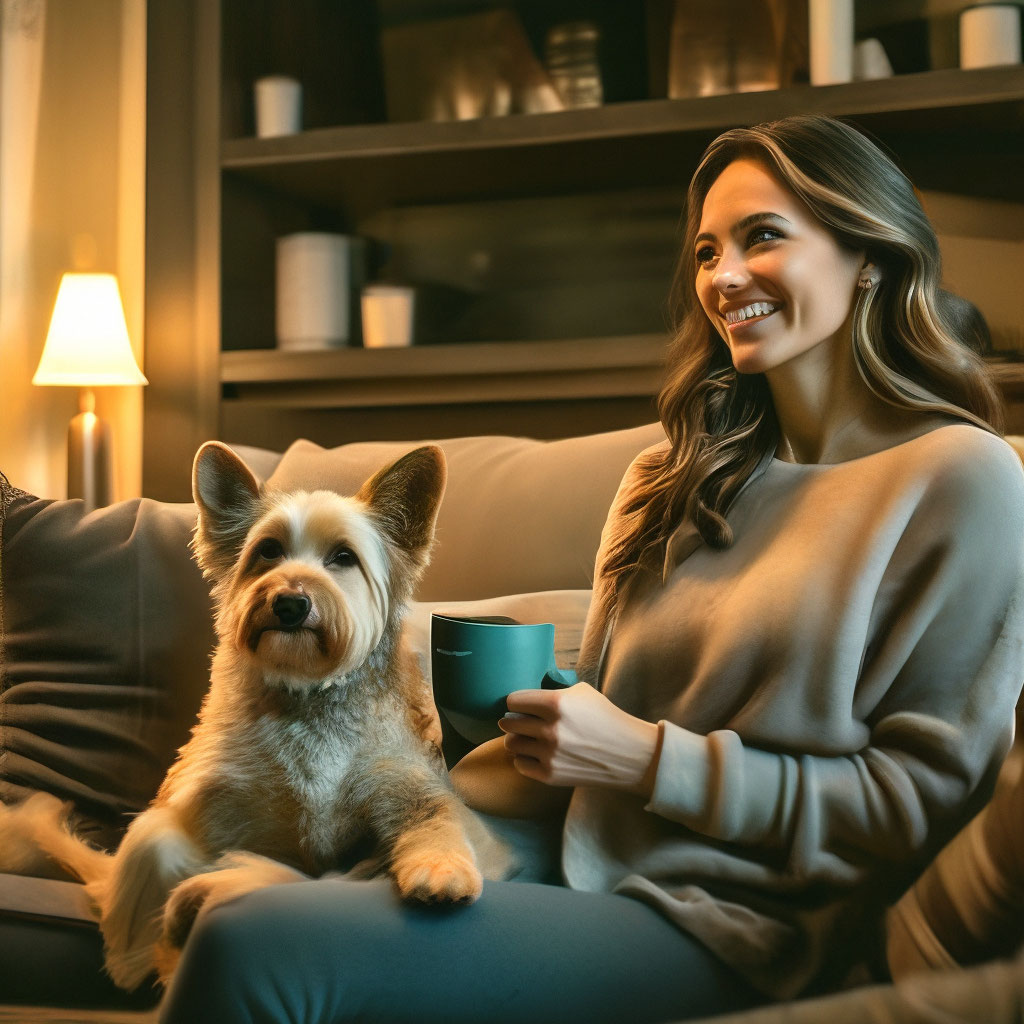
(577, 737)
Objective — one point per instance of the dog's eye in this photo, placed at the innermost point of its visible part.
(342, 558)
(269, 549)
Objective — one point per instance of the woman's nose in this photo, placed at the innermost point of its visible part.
(730, 274)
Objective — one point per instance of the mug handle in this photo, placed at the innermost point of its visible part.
(558, 679)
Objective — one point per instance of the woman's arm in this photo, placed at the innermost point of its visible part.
(936, 692)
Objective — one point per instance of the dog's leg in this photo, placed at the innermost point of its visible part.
(422, 828)
(156, 854)
(235, 874)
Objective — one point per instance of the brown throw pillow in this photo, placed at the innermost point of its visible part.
(105, 637)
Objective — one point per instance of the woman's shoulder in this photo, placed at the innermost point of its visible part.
(964, 454)
(970, 477)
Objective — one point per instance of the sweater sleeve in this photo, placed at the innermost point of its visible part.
(937, 689)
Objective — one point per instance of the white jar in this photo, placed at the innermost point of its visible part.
(989, 35)
(831, 39)
(317, 274)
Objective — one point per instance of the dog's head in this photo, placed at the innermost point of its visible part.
(307, 583)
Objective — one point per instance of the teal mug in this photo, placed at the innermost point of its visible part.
(477, 662)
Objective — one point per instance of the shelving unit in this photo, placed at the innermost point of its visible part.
(363, 167)
(578, 343)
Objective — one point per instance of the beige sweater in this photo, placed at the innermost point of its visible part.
(835, 690)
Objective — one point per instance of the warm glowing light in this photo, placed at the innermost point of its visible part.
(87, 344)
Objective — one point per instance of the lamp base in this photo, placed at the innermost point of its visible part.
(90, 470)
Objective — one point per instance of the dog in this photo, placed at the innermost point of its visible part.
(317, 734)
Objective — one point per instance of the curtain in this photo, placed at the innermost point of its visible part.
(25, 451)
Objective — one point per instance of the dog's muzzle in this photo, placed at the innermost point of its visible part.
(286, 627)
(291, 609)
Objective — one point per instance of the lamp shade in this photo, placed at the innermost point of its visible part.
(87, 344)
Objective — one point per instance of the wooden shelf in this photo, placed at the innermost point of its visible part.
(419, 161)
(615, 176)
(520, 371)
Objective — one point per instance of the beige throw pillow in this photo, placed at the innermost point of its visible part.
(519, 516)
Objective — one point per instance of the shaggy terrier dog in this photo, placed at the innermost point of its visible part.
(318, 731)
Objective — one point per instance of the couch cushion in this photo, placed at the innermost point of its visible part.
(519, 515)
(106, 635)
(52, 948)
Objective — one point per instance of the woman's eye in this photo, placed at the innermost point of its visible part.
(343, 558)
(759, 235)
(705, 254)
(269, 549)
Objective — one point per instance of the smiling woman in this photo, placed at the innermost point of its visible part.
(803, 651)
(787, 635)
(807, 216)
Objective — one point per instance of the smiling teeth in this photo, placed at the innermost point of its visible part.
(736, 316)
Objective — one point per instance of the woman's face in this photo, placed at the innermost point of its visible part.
(771, 278)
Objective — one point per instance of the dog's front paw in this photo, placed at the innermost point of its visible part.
(437, 877)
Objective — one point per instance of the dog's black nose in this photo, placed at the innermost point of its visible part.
(291, 609)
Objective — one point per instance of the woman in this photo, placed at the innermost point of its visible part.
(804, 647)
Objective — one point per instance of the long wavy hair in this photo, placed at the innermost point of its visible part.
(721, 424)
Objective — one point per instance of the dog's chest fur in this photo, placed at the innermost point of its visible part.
(275, 775)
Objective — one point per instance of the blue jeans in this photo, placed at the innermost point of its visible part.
(328, 951)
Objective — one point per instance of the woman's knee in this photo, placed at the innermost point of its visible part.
(218, 970)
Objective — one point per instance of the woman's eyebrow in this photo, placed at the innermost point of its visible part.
(753, 218)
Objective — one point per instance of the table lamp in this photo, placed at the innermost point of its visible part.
(86, 347)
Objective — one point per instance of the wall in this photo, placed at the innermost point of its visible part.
(982, 243)
(85, 198)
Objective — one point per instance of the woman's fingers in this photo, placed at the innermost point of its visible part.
(523, 725)
(525, 746)
(542, 703)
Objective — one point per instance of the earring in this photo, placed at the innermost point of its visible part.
(868, 276)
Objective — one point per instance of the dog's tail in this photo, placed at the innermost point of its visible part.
(35, 836)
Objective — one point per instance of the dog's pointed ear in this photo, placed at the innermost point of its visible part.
(405, 497)
(227, 495)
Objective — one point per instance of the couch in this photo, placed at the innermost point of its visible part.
(105, 636)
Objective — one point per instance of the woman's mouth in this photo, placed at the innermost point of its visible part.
(753, 313)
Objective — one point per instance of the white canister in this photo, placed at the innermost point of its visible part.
(870, 61)
(389, 312)
(831, 40)
(316, 273)
(278, 106)
(990, 35)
